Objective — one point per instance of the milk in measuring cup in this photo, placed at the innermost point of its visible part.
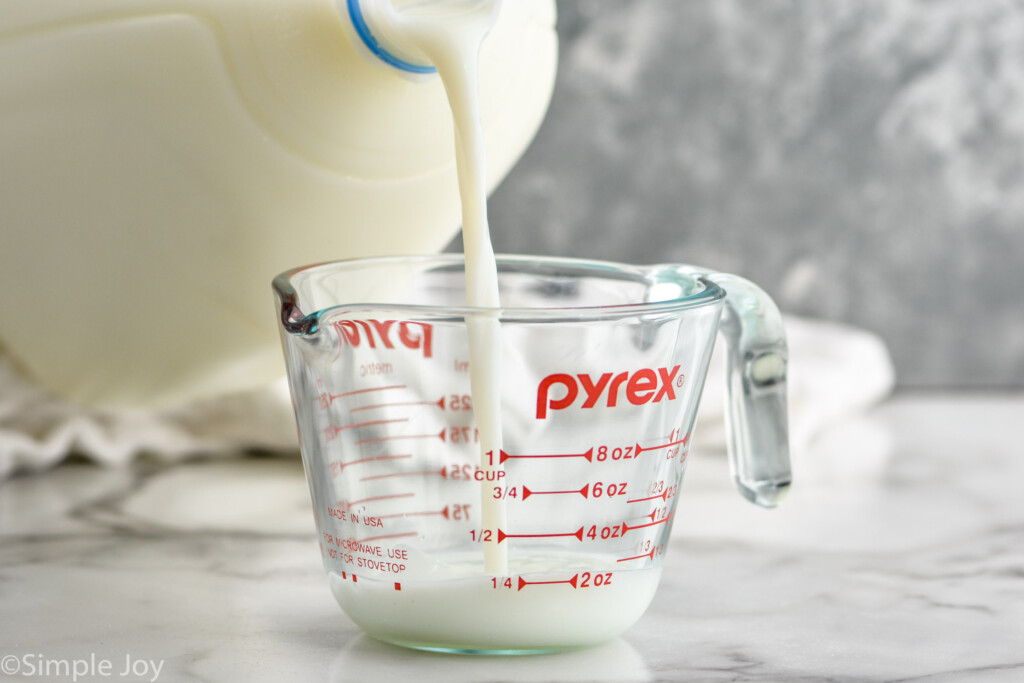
(591, 459)
(535, 610)
(605, 367)
(449, 35)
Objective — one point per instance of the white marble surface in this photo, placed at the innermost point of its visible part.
(898, 556)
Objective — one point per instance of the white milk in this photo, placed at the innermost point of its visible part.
(449, 34)
(514, 613)
(163, 159)
(545, 601)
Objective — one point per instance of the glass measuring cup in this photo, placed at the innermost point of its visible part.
(601, 369)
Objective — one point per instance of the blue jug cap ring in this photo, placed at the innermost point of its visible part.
(355, 12)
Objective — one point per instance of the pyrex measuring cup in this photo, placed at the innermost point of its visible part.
(601, 369)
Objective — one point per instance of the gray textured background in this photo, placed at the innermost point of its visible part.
(859, 159)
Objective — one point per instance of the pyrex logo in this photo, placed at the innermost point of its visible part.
(411, 335)
(560, 390)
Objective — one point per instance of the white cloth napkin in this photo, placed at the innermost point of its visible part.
(835, 371)
(38, 431)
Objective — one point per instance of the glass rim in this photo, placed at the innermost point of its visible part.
(298, 321)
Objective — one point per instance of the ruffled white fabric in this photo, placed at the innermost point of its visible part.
(835, 371)
(38, 431)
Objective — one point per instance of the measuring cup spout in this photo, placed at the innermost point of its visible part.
(757, 426)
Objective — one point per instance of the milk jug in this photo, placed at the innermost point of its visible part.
(162, 158)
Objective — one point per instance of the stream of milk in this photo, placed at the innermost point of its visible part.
(477, 612)
(449, 34)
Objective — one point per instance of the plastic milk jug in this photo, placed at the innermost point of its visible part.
(162, 159)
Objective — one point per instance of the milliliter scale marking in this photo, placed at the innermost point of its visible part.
(461, 512)
(595, 489)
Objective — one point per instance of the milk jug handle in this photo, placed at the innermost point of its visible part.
(756, 413)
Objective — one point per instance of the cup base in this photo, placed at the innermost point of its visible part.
(499, 615)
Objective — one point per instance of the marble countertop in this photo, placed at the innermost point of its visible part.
(899, 555)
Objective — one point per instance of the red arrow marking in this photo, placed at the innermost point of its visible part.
(364, 391)
(374, 498)
(444, 513)
(663, 495)
(343, 465)
(404, 436)
(381, 538)
(626, 527)
(440, 404)
(528, 492)
(425, 473)
(640, 448)
(523, 582)
(502, 535)
(367, 424)
(588, 455)
(649, 555)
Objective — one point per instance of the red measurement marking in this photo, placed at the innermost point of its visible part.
(440, 435)
(375, 498)
(502, 535)
(440, 404)
(398, 586)
(444, 513)
(425, 473)
(649, 555)
(640, 448)
(663, 495)
(343, 465)
(364, 391)
(523, 582)
(588, 455)
(366, 424)
(529, 492)
(627, 527)
(381, 538)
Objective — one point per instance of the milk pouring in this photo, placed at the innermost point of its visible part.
(528, 508)
(449, 35)
(161, 157)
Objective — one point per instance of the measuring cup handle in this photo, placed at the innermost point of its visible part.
(757, 426)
